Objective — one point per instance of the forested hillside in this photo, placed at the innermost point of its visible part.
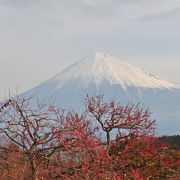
(173, 141)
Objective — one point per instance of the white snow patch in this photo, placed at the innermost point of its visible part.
(101, 67)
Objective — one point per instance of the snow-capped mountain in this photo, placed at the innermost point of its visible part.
(100, 67)
(105, 74)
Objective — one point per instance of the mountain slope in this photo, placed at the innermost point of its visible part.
(100, 67)
(104, 74)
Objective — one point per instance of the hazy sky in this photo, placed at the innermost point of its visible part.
(38, 38)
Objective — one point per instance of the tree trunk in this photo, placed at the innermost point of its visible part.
(34, 170)
(108, 140)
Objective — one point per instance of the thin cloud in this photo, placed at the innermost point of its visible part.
(173, 13)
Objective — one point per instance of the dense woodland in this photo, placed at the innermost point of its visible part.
(172, 141)
(107, 141)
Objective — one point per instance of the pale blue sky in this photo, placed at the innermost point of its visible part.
(38, 38)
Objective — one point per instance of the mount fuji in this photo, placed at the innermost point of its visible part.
(104, 74)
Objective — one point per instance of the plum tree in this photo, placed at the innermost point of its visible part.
(43, 142)
(129, 120)
(135, 152)
(41, 132)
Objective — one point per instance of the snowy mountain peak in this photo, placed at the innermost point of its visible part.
(104, 74)
(99, 68)
(100, 56)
